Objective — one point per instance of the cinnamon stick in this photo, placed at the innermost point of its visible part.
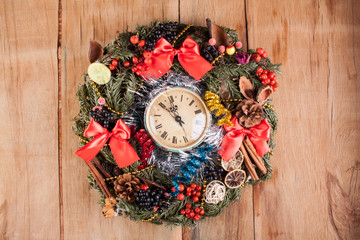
(98, 179)
(254, 155)
(248, 163)
(98, 165)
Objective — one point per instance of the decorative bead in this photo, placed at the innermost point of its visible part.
(238, 45)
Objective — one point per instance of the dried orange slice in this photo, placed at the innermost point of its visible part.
(235, 178)
(99, 73)
(234, 163)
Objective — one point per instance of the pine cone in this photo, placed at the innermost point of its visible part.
(125, 187)
(249, 112)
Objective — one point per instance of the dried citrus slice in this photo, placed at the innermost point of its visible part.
(235, 178)
(233, 163)
(99, 73)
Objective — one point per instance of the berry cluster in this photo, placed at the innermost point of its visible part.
(167, 31)
(211, 173)
(267, 77)
(193, 214)
(147, 147)
(104, 117)
(261, 53)
(152, 199)
(194, 191)
(209, 53)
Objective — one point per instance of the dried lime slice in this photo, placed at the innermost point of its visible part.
(99, 73)
(234, 163)
(235, 178)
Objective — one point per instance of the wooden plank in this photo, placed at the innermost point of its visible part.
(100, 20)
(29, 203)
(236, 222)
(314, 192)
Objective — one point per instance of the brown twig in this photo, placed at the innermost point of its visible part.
(248, 163)
(98, 179)
(98, 165)
(254, 155)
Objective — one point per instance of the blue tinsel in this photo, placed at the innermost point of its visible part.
(189, 169)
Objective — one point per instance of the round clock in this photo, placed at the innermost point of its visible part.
(177, 119)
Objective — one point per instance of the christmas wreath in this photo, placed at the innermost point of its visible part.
(169, 114)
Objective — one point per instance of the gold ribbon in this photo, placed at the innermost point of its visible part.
(213, 104)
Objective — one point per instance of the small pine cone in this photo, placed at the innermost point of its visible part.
(125, 187)
(249, 112)
(108, 167)
(116, 171)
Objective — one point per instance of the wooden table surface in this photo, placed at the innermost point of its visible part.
(314, 192)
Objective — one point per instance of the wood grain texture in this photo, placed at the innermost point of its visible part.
(102, 21)
(314, 193)
(236, 222)
(315, 190)
(29, 203)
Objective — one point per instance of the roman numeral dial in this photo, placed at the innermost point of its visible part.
(177, 119)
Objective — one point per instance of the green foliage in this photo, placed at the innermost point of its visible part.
(120, 95)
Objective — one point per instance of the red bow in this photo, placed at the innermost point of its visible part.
(232, 141)
(188, 54)
(123, 152)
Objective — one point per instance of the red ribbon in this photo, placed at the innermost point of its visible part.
(123, 152)
(258, 135)
(188, 54)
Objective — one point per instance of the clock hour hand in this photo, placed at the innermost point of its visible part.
(178, 119)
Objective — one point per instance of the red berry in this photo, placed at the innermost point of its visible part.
(192, 214)
(187, 211)
(187, 215)
(198, 194)
(180, 196)
(198, 187)
(188, 194)
(138, 72)
(126, 64)
(196, 217)
(182, 212)
(260, 51)
(142, 43)
(195, 199)
(147, 54)
(264, 55)
(144, 187)
(193, 193)
(193, 185)
(267, 81)
(114, 62)
(135, 60)
(112, 67)
(256, 57)
(134, 39)
(263, 76)
(202, 212)
(197, 210)
(188, 205)
(274, 89)
(272, 82)
(276, 85)
(259, 71)
(266, 71)
(271, 75)
(173, 189)
(148, 61)
(181, 187)
(139, 67)
(188, 189)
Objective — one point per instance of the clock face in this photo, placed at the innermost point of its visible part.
(177, 119)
